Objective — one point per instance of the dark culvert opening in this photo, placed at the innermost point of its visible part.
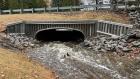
(63, 35)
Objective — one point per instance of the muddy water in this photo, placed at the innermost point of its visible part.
(76, 62)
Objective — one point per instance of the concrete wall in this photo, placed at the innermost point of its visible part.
(88, 27)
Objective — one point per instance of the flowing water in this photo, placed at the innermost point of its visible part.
(71, 61)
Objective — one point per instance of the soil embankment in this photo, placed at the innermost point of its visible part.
(102, 15)
(16, 66)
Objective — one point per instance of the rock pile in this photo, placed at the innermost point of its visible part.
(123, 44)
(19, 41)
(135, 19)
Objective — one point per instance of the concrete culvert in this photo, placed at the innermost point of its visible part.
(59, 34)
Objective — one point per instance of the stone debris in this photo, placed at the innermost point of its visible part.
(18, 41)
(125, 49)
(136, 44)
(101, 43)
(121, 44)
(135, 19)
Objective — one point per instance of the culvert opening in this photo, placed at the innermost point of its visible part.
(63, 35)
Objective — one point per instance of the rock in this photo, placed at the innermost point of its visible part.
(31, 44)
(103, 50)
(108, 47)
(126, 49)
(114, 37)
(87, 43)
(25, 44)
(98, 47)
(124, 44)
(118, 50)
(68, 54)
(136, 44)
(134, 34)
(131, 36)
(130, 40)
(123, 40)
(120, 46)
(103, 40)
(138, 35)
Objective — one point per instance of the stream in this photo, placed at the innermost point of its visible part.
(76, 62)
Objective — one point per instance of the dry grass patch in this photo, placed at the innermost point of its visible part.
(17, 66)
(103, 15)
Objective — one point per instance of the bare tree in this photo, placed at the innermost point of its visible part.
(114, 4)
(48, 3)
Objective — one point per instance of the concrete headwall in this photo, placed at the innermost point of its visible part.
(88, 27)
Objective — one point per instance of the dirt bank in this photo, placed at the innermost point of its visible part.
(110, 16)
(17, 66)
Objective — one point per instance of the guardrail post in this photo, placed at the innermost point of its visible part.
(21, 10)
(10, 12)
(32, 10)
(0, 11)
(57, 9)
(49, 10)
(45, 9)
(96, 7)
(71, 9)
(111, 7)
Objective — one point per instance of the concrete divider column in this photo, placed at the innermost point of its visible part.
(115, 30)
(118, 29)
(106, 27)
(121, 28)
(90, 29)
(102, 25)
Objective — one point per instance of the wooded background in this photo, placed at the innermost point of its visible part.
(14, 4)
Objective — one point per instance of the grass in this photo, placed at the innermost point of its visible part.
(17, 66)
(101, 15)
